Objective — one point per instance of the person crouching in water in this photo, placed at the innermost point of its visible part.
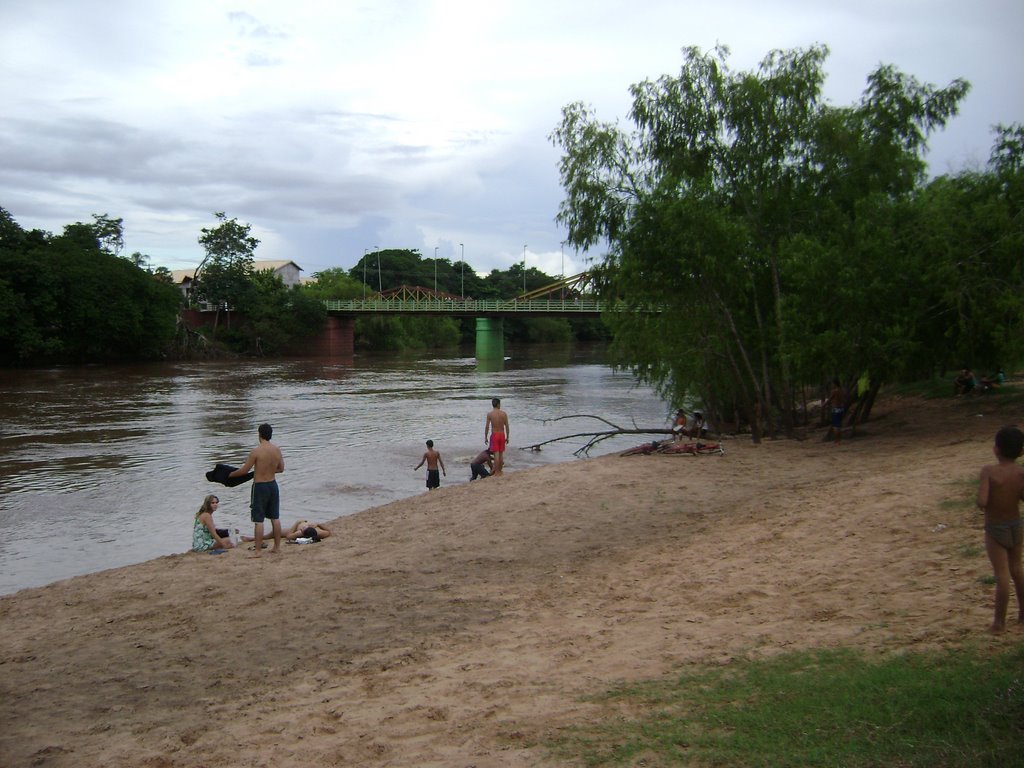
(482, 464)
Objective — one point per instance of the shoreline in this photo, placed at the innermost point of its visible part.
(461, 626)
(93, 495)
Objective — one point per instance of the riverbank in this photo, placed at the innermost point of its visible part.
(462, 626)
(91, 453)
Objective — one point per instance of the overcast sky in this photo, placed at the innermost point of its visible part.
(339, 126)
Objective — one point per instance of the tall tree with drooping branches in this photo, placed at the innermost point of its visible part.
(719, 206)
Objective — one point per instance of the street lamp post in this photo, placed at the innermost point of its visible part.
(524, 270)
(435, 271)
(563, 271)
(462, 262)
(380, 285)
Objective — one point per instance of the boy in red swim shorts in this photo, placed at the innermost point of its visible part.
(496, 434)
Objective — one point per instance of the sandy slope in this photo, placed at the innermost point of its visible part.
(460, 627)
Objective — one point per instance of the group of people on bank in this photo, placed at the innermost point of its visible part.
(265, 461)
(966, 382)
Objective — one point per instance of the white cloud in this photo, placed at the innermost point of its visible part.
(333, 127)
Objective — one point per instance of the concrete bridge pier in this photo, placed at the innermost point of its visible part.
(490, 339)
(337, 339)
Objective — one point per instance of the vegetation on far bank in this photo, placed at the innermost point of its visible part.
(75, 298)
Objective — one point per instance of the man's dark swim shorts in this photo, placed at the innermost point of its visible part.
(266, 501)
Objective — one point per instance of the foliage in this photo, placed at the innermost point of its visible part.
(391, 267)
(547, 330)
(266, 318)
(70, 299)
(405, 333)
(333, 284)
(958, 708)
(275, 316)
(763, 240)
(223, 277)
(109, 233)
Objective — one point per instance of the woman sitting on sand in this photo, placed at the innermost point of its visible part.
(205, 536)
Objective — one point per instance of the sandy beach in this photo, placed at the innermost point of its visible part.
(464, 626)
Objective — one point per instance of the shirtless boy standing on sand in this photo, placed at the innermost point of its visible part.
(497, 427)
(1000, 491)
(266, 496)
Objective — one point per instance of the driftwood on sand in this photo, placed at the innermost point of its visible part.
(595, 437)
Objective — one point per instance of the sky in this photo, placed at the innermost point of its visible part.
(339, 127)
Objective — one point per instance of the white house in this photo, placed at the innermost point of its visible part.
(288, 271)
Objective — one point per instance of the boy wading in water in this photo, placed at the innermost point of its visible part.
(433, 459)
(1000, 491)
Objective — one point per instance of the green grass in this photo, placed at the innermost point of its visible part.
(960, 708)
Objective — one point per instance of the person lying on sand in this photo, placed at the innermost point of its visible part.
(302, 529)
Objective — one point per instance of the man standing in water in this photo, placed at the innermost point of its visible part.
(497, 427)
(266, 496)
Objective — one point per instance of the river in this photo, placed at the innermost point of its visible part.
(104, 466)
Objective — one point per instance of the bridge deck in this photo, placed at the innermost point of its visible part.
(579, 307)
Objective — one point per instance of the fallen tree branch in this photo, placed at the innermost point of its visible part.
(595, 437)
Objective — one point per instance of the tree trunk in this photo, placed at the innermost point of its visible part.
(755, 423)
(869, 398)
(766, 382)
(786, 404)
(753, 417)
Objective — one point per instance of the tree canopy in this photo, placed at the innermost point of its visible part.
(69, 298)
(224, 276)
(764, 241)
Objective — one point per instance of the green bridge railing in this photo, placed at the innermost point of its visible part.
(474, 307)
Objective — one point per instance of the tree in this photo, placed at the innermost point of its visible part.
(970, 230)
(110, 235)
(223, 276)
(732, 188)
(70, 299)
(334, 283)
(275, 316)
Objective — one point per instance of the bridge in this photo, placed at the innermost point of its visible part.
(568, 297)
(565, 297)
